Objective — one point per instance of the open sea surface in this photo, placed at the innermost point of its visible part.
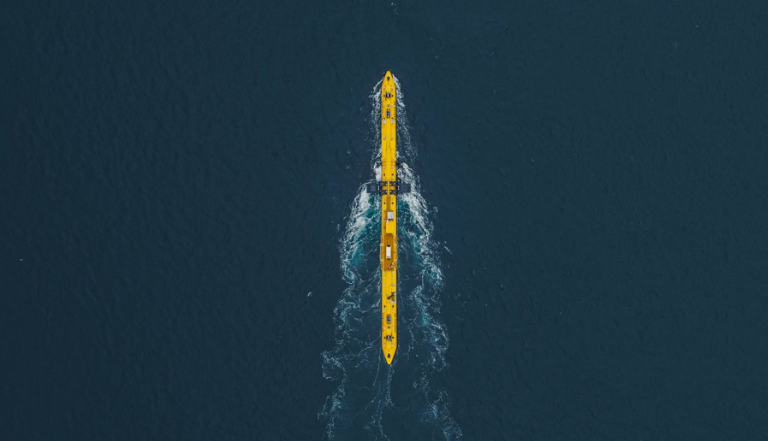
(188, 250)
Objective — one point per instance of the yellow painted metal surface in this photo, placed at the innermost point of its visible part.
(388, 217)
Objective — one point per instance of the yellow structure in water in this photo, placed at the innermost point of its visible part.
(388, 188)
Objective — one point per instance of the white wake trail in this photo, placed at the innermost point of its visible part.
(365, 382)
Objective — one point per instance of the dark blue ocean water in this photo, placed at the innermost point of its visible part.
(586, 257)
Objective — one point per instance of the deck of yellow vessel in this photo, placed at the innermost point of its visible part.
(388, 218)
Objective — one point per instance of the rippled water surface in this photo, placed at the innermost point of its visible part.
(188, 250)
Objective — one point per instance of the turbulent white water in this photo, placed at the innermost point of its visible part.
(368, 388)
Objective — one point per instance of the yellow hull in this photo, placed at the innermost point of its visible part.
(388, 190)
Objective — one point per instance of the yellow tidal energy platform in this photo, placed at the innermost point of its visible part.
(388, 189)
